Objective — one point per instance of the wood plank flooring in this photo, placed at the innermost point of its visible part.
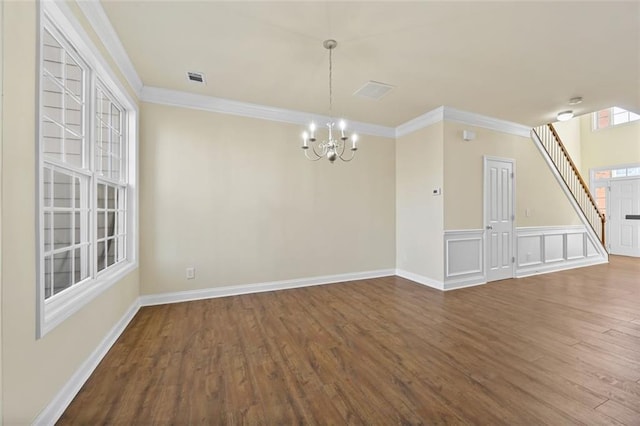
(559, 349)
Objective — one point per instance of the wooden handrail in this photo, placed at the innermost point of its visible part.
(577, 173)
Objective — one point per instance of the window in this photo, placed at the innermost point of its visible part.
(601, 198)
(612, 117)
(111, 183)
(86, 197)
(65, 177)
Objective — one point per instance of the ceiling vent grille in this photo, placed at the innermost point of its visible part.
(196, 77)
(373, 90)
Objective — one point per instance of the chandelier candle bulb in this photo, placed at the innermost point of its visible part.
(305, 136)
(312, 128)
(343, 125)
(354, 139)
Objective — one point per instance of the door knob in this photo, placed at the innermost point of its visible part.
(489, 227)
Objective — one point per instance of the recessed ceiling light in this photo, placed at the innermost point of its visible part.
(565, 115)
(575, 101)
(196, 77)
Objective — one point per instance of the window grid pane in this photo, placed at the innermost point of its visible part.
(109, 142)
(612, 117)
(65, 238)
(633, 171)
(63, 104)
(110, 225)
(616, 173)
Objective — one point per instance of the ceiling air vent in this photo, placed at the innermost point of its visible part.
(196, 77)
(373, 90)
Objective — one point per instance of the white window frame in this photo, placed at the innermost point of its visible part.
(53, 311)
(593, 182)
(594, 120)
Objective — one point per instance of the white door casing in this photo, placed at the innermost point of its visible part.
(624, 233)
(499, 217)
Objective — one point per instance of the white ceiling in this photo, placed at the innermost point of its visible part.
(517, 61)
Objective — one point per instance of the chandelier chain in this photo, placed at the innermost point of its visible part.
(330, 81)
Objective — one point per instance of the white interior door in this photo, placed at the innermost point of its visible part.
(624, 217)
(499, 217)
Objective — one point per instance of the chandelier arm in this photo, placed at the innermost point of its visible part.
(317, 157)
(340, 145)
(353, 154)
(323, 149)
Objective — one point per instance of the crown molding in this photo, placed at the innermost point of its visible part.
(157, 95)
(420, 122)
(445, 113)
(100, 22)
(477, 120)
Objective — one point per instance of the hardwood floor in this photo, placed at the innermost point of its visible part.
(558, 349)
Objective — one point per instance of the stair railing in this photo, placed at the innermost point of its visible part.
(572, 178)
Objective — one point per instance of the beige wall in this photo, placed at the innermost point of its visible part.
(536, 189)
(419, 214)
(235, 198)
(570, 135)
(608, 147)
(35, 370)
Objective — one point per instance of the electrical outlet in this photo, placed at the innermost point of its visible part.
(191, 273)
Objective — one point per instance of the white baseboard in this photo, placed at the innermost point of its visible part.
(420, 279)
(560, 266)
(469, 282)
(59, 403)
(209, 293)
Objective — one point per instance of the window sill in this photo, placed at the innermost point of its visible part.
(60, 309)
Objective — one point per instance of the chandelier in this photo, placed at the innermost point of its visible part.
(331, 146)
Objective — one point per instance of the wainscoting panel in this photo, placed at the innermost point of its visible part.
(529, 250)
(463, 258)
(576, 245)
(554, 248)
(591, 249)
(539, 250)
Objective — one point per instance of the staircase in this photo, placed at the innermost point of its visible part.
(557, 153)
